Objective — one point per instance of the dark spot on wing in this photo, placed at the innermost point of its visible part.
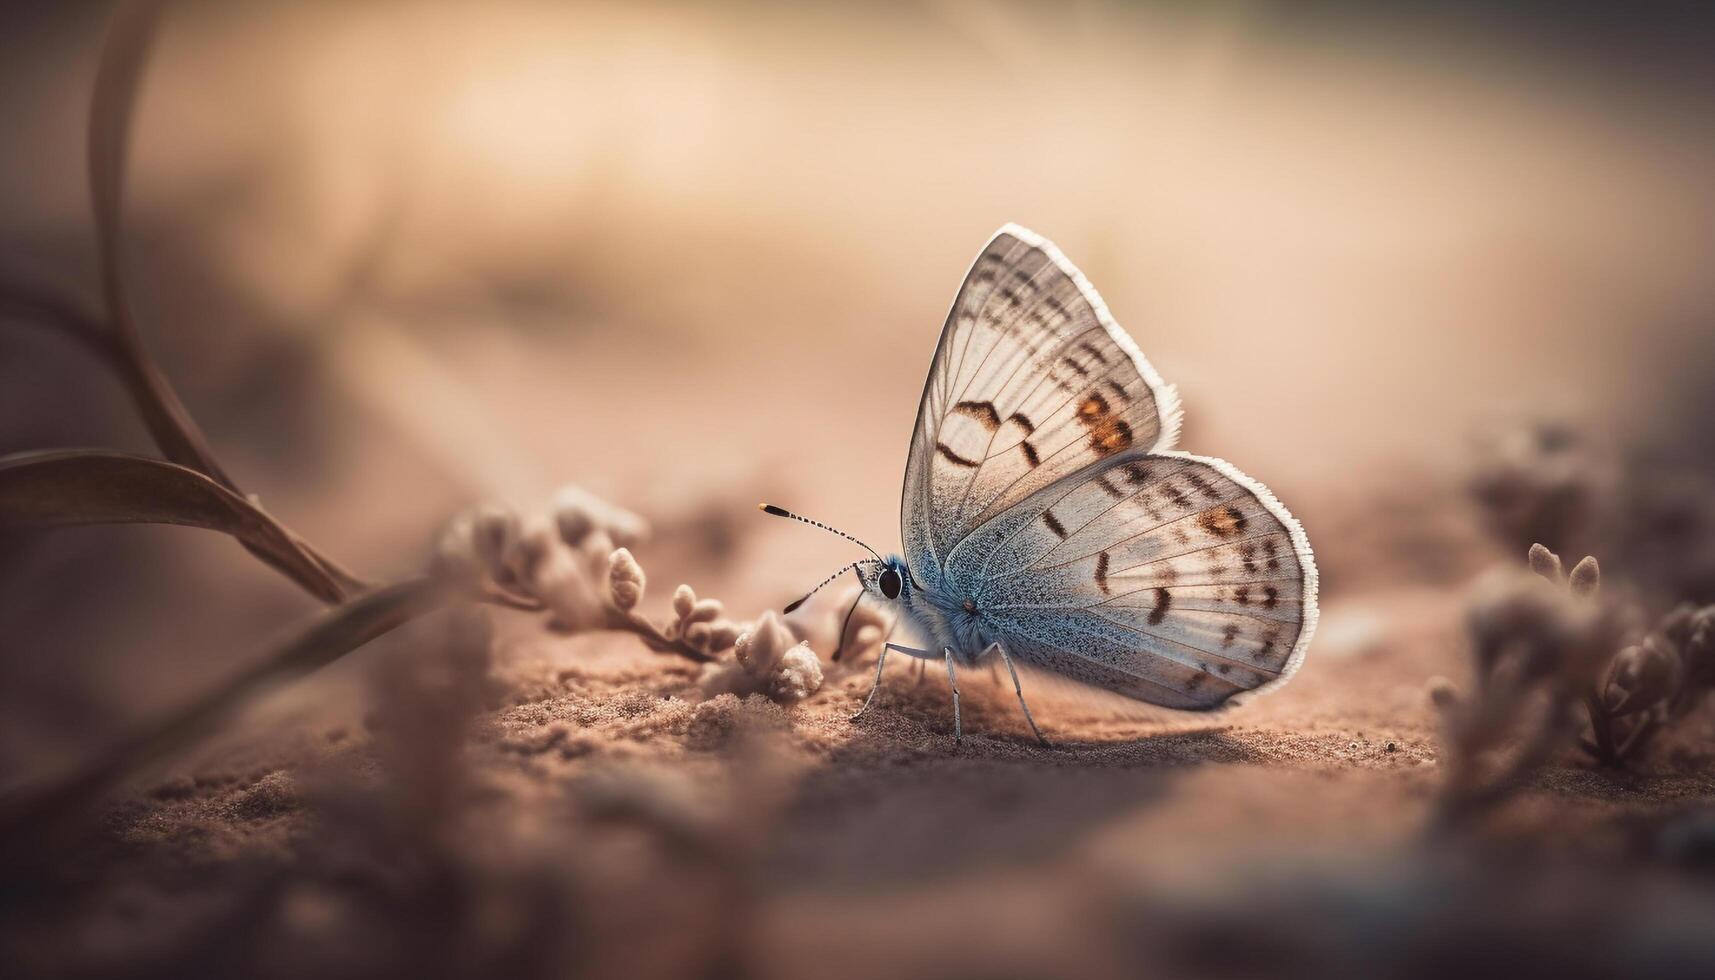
(1112, 491)
(1270, 595)
(954, 457)
(1102, 573)
(1083, 372)
(1118, 390)
(1247, 553)
(1137, 474)
(983, 412)
(1030, 454)
(1023, 421)
(1091, 350)
(1202, 486)
(1242, 595)
(1229, 634)
(1222, 520)
(1054, 524)
(1173, 494)
(1163, 599)
(1269, 640)
(1109, 435)
(1093, 407)
(1268, 548)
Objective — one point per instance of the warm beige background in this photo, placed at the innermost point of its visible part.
(405, 255)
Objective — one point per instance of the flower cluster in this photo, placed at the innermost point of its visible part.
(1539, 643)
(1652, 683)
(1544, 644)
(699, 622)
(575, 562)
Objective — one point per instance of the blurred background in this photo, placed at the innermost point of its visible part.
(399, 257)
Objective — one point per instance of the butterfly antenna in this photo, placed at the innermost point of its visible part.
(783, 512)
(824, 582)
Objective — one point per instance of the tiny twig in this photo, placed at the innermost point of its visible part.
(651, 634)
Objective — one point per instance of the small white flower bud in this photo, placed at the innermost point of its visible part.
(705, 611)
(798, 675)
(683, 600)
(1586, 577)
(759, 648)
(1545, 563)
(625, 579)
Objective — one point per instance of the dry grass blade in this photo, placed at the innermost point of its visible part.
(125, 53)
(69, 488)
(27, 817)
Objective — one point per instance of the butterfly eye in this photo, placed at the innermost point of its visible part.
(890, 584)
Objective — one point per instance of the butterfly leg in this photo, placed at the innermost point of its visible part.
(953, 682)
(881, 662)
(1019, 688)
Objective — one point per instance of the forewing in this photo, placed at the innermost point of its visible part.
(1166, 577)
(1032, 381)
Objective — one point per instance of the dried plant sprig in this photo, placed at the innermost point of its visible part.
(116, 339)
(1545, 644)
(1537, 650)
(73, 487)
(567, 563)
(1651, 684)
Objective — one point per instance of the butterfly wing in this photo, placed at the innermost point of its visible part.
(1162, 576)
(1032, 381)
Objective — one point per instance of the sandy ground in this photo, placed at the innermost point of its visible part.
(606, 816)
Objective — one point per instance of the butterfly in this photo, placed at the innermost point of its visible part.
(1048, 521)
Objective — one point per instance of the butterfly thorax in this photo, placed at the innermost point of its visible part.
(945, 620)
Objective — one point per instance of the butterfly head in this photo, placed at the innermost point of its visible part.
(887, 578)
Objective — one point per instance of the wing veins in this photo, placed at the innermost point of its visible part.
(1116, 668)
(964, 498)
